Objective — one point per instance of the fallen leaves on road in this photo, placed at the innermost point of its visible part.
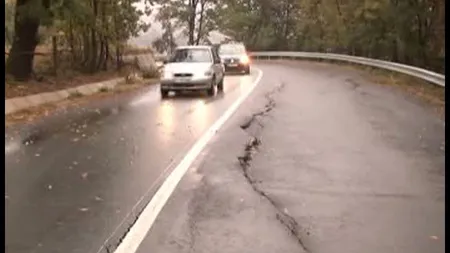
(84, 209)
(84, 175)
(30, 114)
(50, 187)
(97, 198)
(433, 237)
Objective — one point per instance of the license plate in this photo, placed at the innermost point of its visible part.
(182, 79)
(232, 65)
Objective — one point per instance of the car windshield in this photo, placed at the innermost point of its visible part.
(191, 55)
(231, 49)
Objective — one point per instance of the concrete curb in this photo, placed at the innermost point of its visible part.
(19, 103)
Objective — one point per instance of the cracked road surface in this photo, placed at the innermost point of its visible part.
(77, 180)
(317, 160)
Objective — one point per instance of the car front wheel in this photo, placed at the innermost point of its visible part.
(247, 70)
(164, 93)
(211, 89)
(220, 85)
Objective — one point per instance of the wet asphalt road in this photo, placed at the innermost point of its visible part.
(81, 178)
(342, 166)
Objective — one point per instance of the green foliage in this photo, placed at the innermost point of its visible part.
(92, 32)
(411, 32)
(9, 22)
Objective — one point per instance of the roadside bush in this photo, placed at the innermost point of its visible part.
(75, 94)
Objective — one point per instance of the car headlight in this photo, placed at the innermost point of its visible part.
(166, 74)
(244, 59)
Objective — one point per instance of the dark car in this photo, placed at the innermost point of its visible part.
(234, 57)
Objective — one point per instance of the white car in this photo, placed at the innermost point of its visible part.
(192, 68)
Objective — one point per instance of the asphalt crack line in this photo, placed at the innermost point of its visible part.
(267, 108)
(245, 163)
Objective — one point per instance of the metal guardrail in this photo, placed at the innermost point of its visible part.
(427, 75)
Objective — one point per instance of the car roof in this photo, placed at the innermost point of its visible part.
(194, 47)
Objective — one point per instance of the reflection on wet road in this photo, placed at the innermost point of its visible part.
(79, 181)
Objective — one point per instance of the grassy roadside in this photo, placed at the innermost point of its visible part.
(75, 100)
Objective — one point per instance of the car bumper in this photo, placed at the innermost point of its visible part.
(238, 67)
(195, 84)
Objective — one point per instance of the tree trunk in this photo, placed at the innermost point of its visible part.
(105, 63)
(72, 43)
(86, 50)
(200, 23)
(94, 46)
(191, 20)
(118, 62)
(20, 60)
(102, 53)
(55, 54)
(102, 38)
(117, 43)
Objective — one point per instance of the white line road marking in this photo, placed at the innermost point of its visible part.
(139, 230)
